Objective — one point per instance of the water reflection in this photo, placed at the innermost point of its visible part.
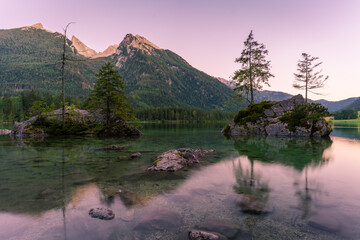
(296, 152)
(278, 188)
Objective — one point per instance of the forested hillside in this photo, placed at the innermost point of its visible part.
(30, 59)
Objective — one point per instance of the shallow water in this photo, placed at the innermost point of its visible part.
(249, 188)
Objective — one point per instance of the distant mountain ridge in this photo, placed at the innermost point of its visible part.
(333, 106)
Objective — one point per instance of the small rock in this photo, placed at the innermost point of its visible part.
(114, 147)
(102, 213)
(229, 230)
(5, 131)
(202, 235)
(135, 155)
(269, 112)
(174, 160)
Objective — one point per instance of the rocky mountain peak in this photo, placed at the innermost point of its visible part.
(130, 44)
(139, 42)
(82, 49)
(38, 26)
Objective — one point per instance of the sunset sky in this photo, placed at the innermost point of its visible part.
(209, 34)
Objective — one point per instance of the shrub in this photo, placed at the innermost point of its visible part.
(253, 112)
(304, 113)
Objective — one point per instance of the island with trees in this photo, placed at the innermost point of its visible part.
(290, 117)
(106, 114)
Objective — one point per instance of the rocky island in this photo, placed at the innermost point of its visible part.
(292, 117)
(78, 122)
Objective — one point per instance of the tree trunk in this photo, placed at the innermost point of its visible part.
(63, 82)
(108, 113)
(251, 80)
(306, 84)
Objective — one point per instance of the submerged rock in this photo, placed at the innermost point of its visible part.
(5, 131)
(226, 229)
(267, 118)
(102, 213)
(174, 160)
(202, 235)
(114, 147)
(135, 155)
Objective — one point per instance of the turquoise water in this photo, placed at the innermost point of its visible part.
(249, 188)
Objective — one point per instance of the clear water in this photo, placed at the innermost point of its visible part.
(297, 188)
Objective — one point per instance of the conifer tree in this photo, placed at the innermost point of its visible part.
(255, 69)
(108, 95)
(307, 77)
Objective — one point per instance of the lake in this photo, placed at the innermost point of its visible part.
(249, 188)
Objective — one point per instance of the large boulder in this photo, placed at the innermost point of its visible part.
(79, 119)
(270, 121)
(176, 159)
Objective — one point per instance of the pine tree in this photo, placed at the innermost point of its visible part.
(108, 95)
(255, 69)
(307, 77)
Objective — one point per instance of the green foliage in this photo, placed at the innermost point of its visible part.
(39, 108)
(346, 114)
(303, 114)
(255, 70)
(108, 95)
(54, 127)
(253, 112)
(17, 108)
(182, 114)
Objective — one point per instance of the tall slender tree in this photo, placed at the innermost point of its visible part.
(108, 95)
(63, 59)
(307, 78)
(255, 69)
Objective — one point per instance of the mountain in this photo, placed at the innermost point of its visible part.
(156, 77)
(226, 82)
(30, 59)
(334, 106)
(85, 51)
(354, 105)
(82, 49)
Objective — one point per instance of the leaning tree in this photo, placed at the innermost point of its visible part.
(255, 69)
(308, 78)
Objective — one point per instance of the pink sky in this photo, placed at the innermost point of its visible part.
(209, 34)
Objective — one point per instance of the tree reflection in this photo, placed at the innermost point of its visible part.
(295, 152)
(300, 153)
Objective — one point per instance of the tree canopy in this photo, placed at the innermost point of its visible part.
(108, 95)
(255, 69)
(307, 77)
